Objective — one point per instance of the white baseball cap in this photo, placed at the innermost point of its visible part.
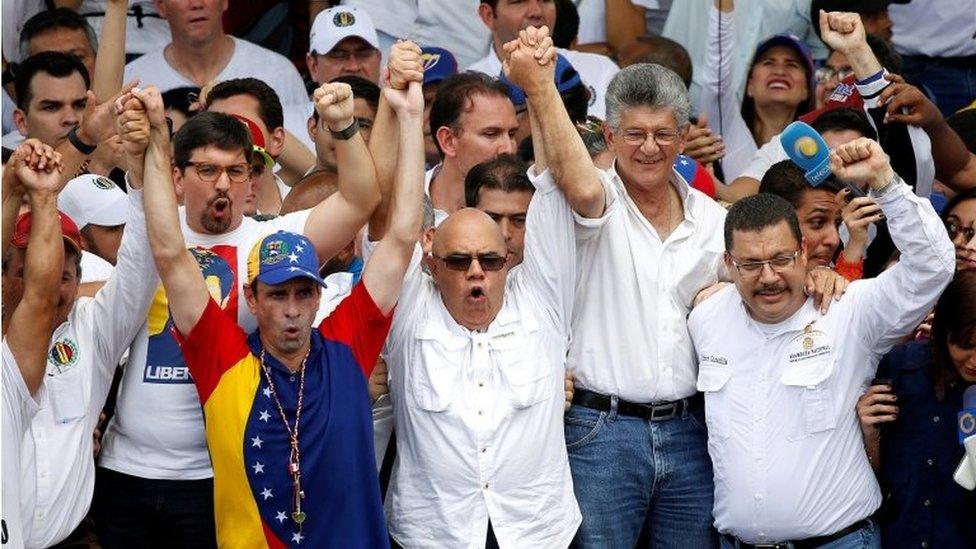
(94, 200)
(333, 25)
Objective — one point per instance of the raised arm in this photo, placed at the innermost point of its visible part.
(530, 63)
(97, 125)
(110, 61)
(405, 66)
(185, 288)
(387, 265)
(32, 321)
(33, 153)
(335, 221)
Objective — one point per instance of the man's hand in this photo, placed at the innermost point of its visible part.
(405, 65)
(569, 388)
(857, 214)
(98, 120)
(708, 292)
(33, 153)
(907, 104)
(862, 161)
(876, 406)
(152, 102)
(530, 60)
(38, 167)
(132, 126)
(377, 383)
(824, 284)
(842, 31)
(406, 102)
(701, 144)
(334, 103)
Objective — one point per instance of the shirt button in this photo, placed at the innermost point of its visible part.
(483, 450)
(481, 384)
(481, 412)
(759, 497)
(925, 544)
(481, 345)
(485, 486)
(292, 379)
(930, 461)
(936, 419)
(926, 503)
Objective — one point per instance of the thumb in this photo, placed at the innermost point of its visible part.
(702, 121)
(90, 103)
(824, 26)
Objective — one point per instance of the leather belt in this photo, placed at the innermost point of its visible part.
(652, 412)
(808, 543)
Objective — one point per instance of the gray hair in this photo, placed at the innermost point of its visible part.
(647, 85)
(428, 221)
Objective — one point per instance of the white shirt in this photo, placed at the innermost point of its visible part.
(18, 409)
(595, 70)
(157, 430)
(142, 35)
(786, 448)
(248, 60)
(84, 352)
(15, 14)
(439, 215)
(946, 28)
(478, 415)
(630, 336)
(94, 268)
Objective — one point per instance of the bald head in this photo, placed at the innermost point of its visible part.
(470, 230)
(309, 192)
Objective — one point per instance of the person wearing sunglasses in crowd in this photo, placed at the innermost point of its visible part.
(781, 379)
(476, 356)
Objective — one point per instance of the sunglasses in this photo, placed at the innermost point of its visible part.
(461, 262)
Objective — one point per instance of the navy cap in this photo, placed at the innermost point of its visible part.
(566, 77)
(439, 64)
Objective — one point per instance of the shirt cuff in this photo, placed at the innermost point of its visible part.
(871, 87)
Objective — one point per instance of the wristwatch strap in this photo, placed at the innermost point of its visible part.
(83, 148)
(346, 133)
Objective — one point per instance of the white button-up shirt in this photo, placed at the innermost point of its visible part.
(18, 409)
(630, 334)
(787, 452)
(479, 415)
(84, 352)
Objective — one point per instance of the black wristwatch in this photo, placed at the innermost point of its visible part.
(76, 142)
(346, 133)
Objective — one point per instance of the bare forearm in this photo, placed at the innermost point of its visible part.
(159, 199)
(872, 446)
(950, 155)
(406, 210)
(383, 147)
(567, 155)
(538, 147)
(72, 159)
(357, 176)
(13, 197)
(863, 62)
(624, 23)
(110, 62)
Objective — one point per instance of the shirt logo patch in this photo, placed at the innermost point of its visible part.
(808, 345)
(274, 252)
(63, 355)
(344, 19)
(841, 93)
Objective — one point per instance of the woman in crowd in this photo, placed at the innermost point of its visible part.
(914, 402)
(960, 219)
(778, 89)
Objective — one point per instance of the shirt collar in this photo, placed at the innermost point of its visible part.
(806, 315)
(689, 200)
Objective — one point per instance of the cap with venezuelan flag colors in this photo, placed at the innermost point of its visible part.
(283, 256)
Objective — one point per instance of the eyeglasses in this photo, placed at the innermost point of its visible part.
(461, 262)
(210, 173)
(752, 269)
(661, 137)
(824, 74)
(955, 230)
(362, 54)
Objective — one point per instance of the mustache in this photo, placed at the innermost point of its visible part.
(770, 289)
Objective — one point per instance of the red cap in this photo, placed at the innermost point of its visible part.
(844, 96)
(257, 138)
(70, 232)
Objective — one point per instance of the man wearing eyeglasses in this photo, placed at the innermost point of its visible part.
(781, 379)
(342, 42)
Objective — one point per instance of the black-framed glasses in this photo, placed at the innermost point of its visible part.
(210, 173)
(462, 262)
(752, 269)
(824, 74)
(956, 229)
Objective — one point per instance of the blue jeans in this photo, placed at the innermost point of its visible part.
(631, 474)
(868, 537)
(952, 85)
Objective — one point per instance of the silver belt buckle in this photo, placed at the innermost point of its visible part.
(667, 415)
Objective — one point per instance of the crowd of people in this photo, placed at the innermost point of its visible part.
(496, 273)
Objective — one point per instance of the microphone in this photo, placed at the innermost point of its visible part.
(965, 474)
(808, 150)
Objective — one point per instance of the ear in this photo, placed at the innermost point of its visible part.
(160, 8)
(427, 240)
(277, 144)
(251, 298)
(178, 181)
(311, 63)
(430, 264)
(20, 119)
(487, 15)
(729, 266)
(311, 126)
(609, 137)
(447, 139)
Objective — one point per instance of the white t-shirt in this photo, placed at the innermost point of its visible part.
(248, 60)
(594, 69)
(18, 409)
(142, 34)
(15, 14)
(157, 431)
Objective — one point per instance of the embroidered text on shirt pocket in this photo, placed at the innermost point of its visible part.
(811, 379)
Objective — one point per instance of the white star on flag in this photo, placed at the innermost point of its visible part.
(297, 537)
(683, 162)
(264, 416)
(292, 257)
(293, 269)
(258, 467)
(281, 517)
(299, 248)
(267, 392)
(266, 493)
(256, 441)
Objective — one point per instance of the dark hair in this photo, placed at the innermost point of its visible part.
(269, 105)
(210, 129)
(668, 53)
(454, 96)
(577, 102)
(54, 63)
(566, 27)
(969, 194)
(955, 322)
(58, 18)
(748, 110)
(756, 212)
(845, 119)
(505, 173)
(491, 3)
(964, 123)
(362, 88)
(785, 180)
(179, 99)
